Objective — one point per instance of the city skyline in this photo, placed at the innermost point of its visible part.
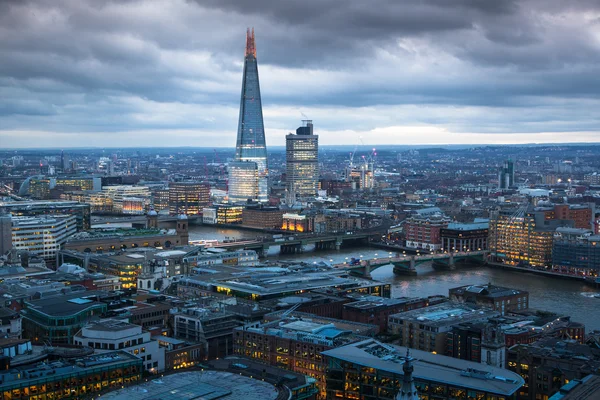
(141, 73)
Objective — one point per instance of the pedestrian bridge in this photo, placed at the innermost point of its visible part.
(406, 264)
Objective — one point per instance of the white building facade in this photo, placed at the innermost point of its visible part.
(42, 236)
(111, 334)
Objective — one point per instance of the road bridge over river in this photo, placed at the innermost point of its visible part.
(406, 264)
(295, 244)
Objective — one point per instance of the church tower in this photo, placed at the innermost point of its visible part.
(493, 346)
(182, 229)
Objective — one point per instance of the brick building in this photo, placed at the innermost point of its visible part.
(423, 231)
(262, 217)
(550, 363)
(495, 297)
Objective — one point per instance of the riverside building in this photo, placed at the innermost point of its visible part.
(576, 252)
(188, 197)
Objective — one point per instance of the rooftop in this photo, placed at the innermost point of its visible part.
(445, 314)
(110, 325)
(32, 374)
(468, 226)
(67, 304)
(486, 290)
(429, 367)
(206, 385)
(587, 388)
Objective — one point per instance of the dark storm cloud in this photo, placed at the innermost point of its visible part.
(73, 65)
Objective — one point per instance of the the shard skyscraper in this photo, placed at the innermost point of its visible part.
(248, 173)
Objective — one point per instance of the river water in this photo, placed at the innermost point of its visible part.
(545, 293)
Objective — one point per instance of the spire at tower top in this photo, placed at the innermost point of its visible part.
(407, 391)
(250, 44)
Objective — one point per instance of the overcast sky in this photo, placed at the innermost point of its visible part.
(168, 73)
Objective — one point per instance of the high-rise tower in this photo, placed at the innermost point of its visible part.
(302, 163)
(248, 174)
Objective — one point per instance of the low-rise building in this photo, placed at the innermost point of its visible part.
(427, 329)
(372, 370)
(296, 344)
(180, 354)
(110, 334)
(268, 285)
(262, 217)
(423, 231)
(10, 323)
(71, 379)
(548, 364)
(495, 297)
(465, 237)
(213, 329)
(576, 252)
(56, 319)
(376, 310)
(587, 388)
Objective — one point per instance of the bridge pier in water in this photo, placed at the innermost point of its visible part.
(291, 248)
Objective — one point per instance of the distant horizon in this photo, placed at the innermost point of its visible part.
(349, 146)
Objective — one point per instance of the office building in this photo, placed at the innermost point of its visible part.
(465, 237)
(523, 236)
(427, 328)
(302, 163)
(297, 344)
(121, 193)
(248, 174)
(262, 217)
(160, 199)
(576, 252)
(222, 214)
(5, 233)
(77, 379)
(56, 319)
(108, 335)
(188, 197)
(550, 363)
(372, 370)
(506, 175)
(214, 329)
(42, 208)
(243, 181)
(42, 236)
(495, 297)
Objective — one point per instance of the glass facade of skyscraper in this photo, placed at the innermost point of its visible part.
(302, 162)
(251, 146)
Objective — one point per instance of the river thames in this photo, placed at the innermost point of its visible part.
(545, 293)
